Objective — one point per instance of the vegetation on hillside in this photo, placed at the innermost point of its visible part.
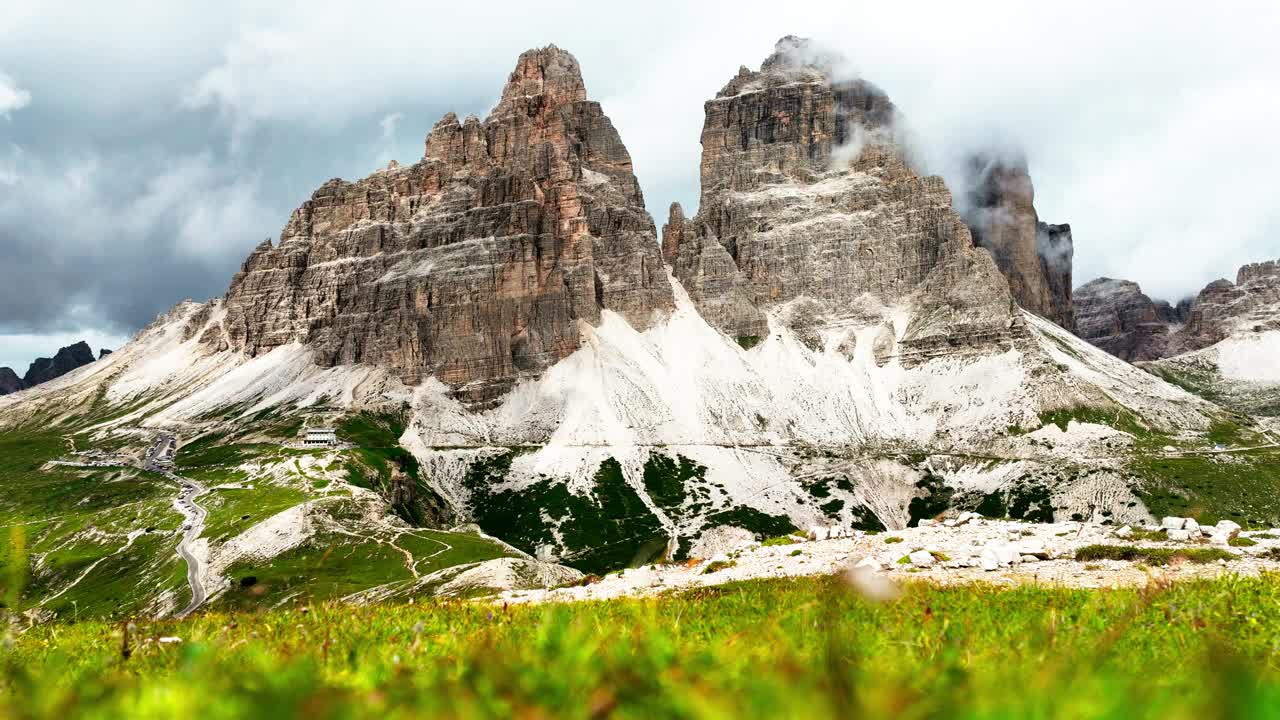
(78, 522)
(803, 648)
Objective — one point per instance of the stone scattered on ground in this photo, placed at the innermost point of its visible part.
(967, 550)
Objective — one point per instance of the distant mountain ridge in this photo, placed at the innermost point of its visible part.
(43, 370)
(1118, 317)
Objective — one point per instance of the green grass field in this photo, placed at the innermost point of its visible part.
(799, 648)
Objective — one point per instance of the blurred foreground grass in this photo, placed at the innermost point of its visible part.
(788, 648)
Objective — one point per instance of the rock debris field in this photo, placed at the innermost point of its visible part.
(964, 549)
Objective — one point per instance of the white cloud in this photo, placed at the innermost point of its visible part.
(1145, 123)
(12, 97)
(388, 124)
(387, 143)
(9, 170)
(113, 234)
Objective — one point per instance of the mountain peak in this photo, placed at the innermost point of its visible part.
(484, 258)
(547, 71)
(10, 382)
(64, 361)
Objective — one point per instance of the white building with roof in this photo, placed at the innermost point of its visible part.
(320, 437)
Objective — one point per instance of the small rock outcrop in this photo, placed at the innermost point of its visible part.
(103, 352)
(10, 382)
(1034, 256)
(476, 264)
(1118, 317)
(807, 197)
(64, 361)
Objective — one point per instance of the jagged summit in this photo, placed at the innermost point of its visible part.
(547, 72)
(44, 369)
(476, 264)
(1116, 316)
(1227, 346)
(545, 80)
(10, 382)
(821, 114)
(806, 195)
(64, 361)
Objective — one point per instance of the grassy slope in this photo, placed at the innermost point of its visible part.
(379, 463)
(332, 564)
(1243, 485)
(806, 648)
(72, 518)
(1203, 379)
(1184, 477)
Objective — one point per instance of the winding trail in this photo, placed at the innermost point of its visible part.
(194, 526)
(159, 460)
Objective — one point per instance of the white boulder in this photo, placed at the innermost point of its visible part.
(872, 586)
(1124, 532)
(1173, 523)
(1036, 549)
(1006, 554)
(722, 539)
(869, 562)
(922, 558)
(1178, 535)
(1226, 529)
(989, 560)
(963, 518)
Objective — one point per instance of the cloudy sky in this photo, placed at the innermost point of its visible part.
(145, 148)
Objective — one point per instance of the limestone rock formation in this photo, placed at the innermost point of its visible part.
(1227, 349)
(1035, 257)
(476, 264)
(1250, 304)
(1118, 317)
(10, 382)
(807, 197)
(1056, 250)
(64, 361)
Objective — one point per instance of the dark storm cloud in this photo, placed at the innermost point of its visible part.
(146, 146)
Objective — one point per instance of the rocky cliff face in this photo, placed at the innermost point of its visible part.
(806, 199)
(476, 264)
(64, 361)
(1035, 257)
(10, 382)
(1250, 304)
(1118, 317)
(1227, 350)
(1056, 250)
